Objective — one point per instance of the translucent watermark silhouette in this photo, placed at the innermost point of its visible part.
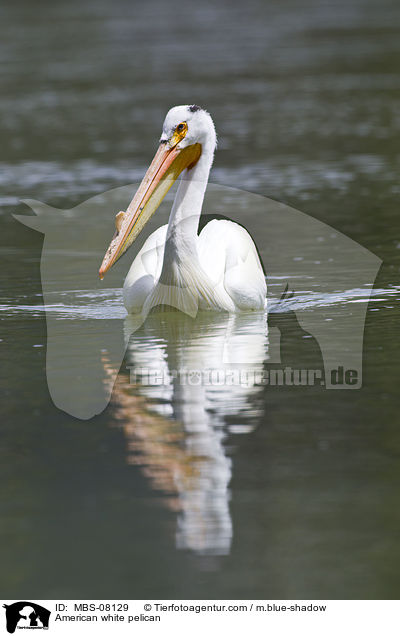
(319, 283)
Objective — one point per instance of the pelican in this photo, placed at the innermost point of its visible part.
(218, 269)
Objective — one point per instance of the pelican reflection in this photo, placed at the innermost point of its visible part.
(185, 377)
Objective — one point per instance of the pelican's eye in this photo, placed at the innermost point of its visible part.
(179, 134)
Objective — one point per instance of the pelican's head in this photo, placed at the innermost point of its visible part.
(187, 133)
(187, 125)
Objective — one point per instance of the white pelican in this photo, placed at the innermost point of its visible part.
(218, 269)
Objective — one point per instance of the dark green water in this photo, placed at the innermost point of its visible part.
(268, 492)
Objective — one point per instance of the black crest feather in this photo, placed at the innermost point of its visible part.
(193, 108)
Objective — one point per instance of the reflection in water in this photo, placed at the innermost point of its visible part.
(185, 377)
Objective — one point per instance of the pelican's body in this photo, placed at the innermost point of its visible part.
(218, 269)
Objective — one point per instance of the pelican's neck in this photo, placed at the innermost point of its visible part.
(183, 222)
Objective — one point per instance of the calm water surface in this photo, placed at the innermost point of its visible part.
(184, 490)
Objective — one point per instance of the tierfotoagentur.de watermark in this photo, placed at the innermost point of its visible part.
(243, 377)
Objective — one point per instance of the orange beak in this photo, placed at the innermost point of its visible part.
(167, 165)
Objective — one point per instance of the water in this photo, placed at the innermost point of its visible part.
(181, 490)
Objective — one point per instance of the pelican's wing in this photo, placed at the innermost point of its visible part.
(228, 255)
(145, 271)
